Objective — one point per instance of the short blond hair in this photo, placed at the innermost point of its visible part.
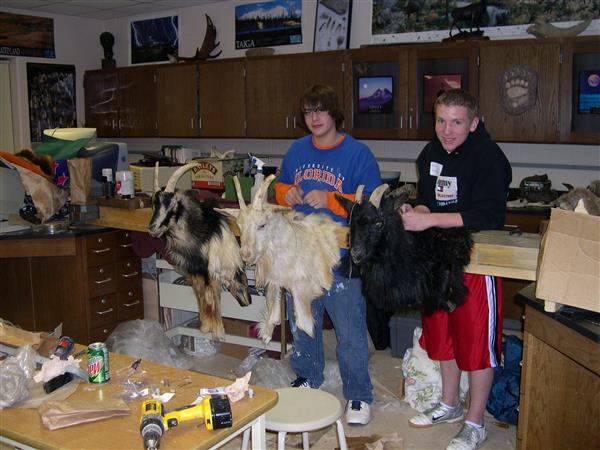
(458, 97)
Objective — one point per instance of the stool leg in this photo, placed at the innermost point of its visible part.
(245, 439)
(281, 440)
(305, 443)
(341, 435)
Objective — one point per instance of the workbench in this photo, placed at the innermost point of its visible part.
(495, 252)
(23, 427)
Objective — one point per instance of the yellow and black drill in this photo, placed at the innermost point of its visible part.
(214, 409)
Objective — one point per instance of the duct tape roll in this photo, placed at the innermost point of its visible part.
(124, 184)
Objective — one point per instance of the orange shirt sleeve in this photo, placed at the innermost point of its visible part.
(280, 191)
(335, 207)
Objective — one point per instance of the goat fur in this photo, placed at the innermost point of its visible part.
(201, 245)
(402, 269)
(579, 200)
(292, 252)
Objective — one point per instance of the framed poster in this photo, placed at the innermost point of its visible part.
(26, 35)
(51, 92)
(375, 94)
(153, 39)
(332, 25)
(434, 85)
(267, 24)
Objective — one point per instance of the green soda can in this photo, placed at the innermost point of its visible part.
(98, 367)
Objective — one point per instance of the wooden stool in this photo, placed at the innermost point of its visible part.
(301, 410)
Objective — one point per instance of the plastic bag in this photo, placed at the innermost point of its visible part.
(146, 339)
(13, 383)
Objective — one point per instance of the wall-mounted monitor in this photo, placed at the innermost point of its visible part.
(375, 94)
(435, 85)
(588, 101)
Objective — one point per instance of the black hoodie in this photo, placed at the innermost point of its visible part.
(472, 180)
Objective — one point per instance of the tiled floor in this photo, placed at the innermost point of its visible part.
(390, 414)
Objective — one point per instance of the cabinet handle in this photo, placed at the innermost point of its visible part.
(287, 122)
(103, 281)
(200, 122)
(294, 120)
(192, 123)
(131, 304)
(401, 121)
(103, 301)
(101, 313)
(126, 245)
(102, 250)
(129, 275)
(410, 122)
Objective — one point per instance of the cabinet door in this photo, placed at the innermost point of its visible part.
(177, 103)
(519, 90)
(314, 68)
(580, 73)
(137, 102)
(377, 90)
(101, 101)
(268, 97)
(222, 99)
(435, 68)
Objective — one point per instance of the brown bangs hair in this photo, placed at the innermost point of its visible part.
(325, 97)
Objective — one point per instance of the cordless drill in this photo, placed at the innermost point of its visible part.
(214, 409)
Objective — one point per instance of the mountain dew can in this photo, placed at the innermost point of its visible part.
(98, 368)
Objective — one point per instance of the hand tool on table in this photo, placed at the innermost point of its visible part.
(215, 410)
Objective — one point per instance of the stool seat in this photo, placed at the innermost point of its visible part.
(303, 409)
(300, 410)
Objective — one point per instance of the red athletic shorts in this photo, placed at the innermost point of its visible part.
(472, 333)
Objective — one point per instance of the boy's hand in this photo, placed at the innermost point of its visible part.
(316, 199)
(294, 196)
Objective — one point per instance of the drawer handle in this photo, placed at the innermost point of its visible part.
(129, 275)
(131, 304)
(102, 250)
(103, 281)
(101, 313)
(126, 245)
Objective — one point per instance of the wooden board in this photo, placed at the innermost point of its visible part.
(496, 252)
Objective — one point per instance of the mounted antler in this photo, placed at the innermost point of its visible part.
(209, 44)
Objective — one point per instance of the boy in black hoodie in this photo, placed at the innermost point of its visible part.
(463, 181)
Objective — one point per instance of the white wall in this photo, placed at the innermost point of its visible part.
(77, 42)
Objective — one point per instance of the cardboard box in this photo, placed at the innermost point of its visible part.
(211, 172)
(569, 260)
(143, 177)
(238, 327)
(237, 351)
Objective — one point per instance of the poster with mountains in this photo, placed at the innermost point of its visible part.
(268, 24)
(376, 95)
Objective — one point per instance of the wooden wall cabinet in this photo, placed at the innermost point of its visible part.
(539, 123)
(90, 284)
(411, 118)
(222, 98)
(274, 86)
(122, 102)
(177, 100)
(577, 55)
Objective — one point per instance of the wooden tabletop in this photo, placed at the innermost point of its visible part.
(495, 252)
(25, 426)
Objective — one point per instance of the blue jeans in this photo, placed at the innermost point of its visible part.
(347, 308)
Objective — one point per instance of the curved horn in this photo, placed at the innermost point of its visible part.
(261, 194)
(156, 184)
(359, 193)
(177, 174)
(377, 194)
(238, 191)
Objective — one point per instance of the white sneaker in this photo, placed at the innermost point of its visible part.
(468, 438)
(358, 413)
(438, 413)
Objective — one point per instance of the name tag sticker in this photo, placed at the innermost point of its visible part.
(435, 169)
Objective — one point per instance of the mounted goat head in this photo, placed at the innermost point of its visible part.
(292, 251)
(403, 269)
(201, 245)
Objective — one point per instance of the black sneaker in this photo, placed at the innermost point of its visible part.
(300, 382)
